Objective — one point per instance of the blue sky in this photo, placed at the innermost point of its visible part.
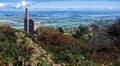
(60, 5)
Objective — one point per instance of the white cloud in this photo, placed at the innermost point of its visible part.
(2, 5)
(110, 7)
(23, 4)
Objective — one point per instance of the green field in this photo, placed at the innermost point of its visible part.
(69, 24)
(18, 27)
(56, 25)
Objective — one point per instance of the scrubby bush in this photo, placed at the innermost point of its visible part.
(43, 62)
(115, 30)
(116, 63)
(5, 29)
(45, 29)
(60, 30)
(64, 56)
(60, 40)
(12, 45)
(82, 33)
(61, 47)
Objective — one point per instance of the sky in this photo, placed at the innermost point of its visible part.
(59, 5)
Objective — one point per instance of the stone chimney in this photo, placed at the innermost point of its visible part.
(26, 21)
(26, 14)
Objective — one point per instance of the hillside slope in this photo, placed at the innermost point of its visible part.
(17, 49)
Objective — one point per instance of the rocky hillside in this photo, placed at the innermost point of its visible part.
(20, 49)
(49, 47)
(17, 49)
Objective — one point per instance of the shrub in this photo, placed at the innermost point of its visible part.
(64, 56)
(115, 30)
(60, 40)
(43, 62)
(60, 30)
(8, 60)
(6, 29)
(62, 47)
(81, 32)
(116, 63)
(45, 29)
(2, 37)
(13, 44)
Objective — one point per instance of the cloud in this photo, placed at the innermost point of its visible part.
(23, 4)
(110, 7)
(2, 5)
